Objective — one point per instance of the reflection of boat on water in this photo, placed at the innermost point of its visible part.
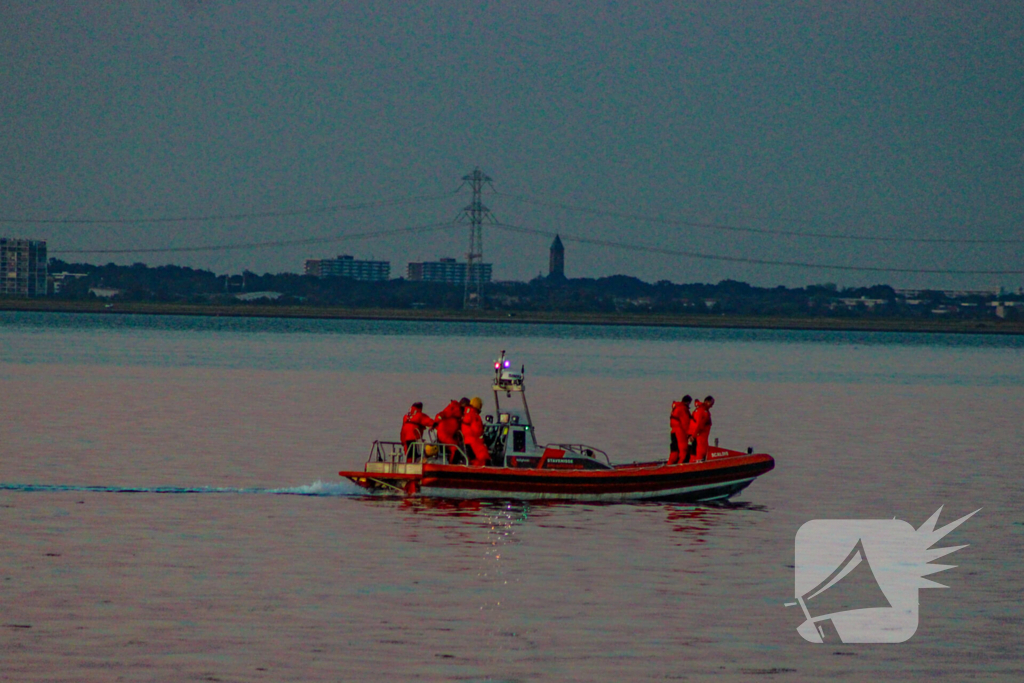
(520, 468)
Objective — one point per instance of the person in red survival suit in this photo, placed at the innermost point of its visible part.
(473, 432)
(702, 427)
(680, 422)
(413, 425)
(447, 424)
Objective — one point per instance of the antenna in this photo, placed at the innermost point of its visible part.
(474, 214)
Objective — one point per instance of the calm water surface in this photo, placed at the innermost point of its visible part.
(150, 527)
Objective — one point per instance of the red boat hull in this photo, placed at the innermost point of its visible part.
(715, 479)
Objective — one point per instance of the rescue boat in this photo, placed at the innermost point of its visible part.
(522, 469)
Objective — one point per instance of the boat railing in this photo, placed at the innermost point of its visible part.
(419, 452)
(581, 449)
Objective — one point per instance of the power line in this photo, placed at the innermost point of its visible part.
(231, 216)
(757, 231)
(738, 259)
(263, 245)
(514, 228)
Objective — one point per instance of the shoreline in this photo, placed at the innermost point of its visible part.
(528, 317)
(756, 322)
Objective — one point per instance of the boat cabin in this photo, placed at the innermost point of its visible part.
(511, 444)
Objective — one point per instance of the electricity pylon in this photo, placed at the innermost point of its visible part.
(474, 214)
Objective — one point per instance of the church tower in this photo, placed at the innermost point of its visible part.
(556, 263)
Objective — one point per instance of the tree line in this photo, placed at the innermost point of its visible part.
(617, 293)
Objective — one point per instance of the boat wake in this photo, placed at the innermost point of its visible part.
(317, 488)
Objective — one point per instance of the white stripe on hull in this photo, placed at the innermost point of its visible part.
(468, 493)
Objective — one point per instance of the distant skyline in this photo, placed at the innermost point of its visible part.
(881, 119)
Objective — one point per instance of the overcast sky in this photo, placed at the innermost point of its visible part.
(882, 119)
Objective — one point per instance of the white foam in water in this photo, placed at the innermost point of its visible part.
(323, 488)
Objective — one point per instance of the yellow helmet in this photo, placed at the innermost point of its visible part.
(476, 402)
(430, 449)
